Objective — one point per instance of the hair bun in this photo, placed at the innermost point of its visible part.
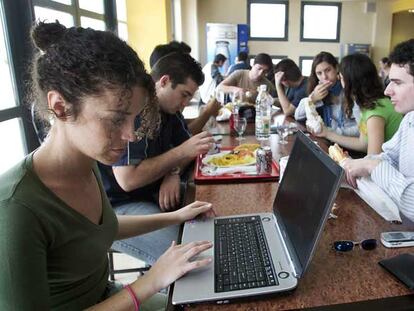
(46, 34)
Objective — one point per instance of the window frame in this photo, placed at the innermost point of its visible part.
(338, 23)
(252, 56)
(18, 20)
(286, 3)
(17, 23)
(109, 16)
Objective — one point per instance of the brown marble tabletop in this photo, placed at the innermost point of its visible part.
(332, 278)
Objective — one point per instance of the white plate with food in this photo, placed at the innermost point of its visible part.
(240, 156)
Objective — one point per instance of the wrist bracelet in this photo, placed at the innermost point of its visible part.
(133, 296)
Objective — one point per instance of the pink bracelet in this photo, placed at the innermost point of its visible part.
(133, 296)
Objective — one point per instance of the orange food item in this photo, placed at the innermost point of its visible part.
(250, 147)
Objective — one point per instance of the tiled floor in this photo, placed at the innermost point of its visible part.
(123, 261)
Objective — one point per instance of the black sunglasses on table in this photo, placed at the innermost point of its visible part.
(346, 246)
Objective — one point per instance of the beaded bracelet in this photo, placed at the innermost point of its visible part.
(133, 296)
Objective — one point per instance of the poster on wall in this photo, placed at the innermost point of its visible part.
(224, 39)
(352, 48)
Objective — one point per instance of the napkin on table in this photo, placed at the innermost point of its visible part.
(217, 171)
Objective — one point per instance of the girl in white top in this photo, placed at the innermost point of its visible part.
(325, 90)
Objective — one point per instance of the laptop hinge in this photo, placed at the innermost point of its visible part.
(289, 250)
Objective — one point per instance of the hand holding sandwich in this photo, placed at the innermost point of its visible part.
(354, 168)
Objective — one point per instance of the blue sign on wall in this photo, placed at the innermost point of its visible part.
(242, 38)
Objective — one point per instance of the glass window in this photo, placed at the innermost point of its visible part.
(177, 20)
(275, 61)
(50, 15)
(121, 10)
(92, 23)
(96, 6)
(11, 138)
(320, 22)
(6, 85)
(268, 20)
(123, 31)
(68, 2)
(305, 65)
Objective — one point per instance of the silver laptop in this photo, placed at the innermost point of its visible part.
(265, 253)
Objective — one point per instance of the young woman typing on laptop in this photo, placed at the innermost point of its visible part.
(56, 223)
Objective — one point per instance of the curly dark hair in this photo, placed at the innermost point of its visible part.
(320, 58)
(179, 67)
(403, 54)
(79, 62)
(362, 83)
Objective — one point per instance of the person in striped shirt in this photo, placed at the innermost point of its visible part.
(393, 169)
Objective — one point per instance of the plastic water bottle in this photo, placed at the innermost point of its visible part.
(263, 113)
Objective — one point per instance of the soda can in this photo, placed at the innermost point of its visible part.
(264, 160)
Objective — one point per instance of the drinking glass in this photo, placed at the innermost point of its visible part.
(240, 126)
(283, 132)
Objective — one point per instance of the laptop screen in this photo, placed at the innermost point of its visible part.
(304, 197)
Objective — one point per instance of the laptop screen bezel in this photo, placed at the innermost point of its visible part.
(301, 138)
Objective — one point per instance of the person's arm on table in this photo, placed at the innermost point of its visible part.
(172, 265)
(169, 193)
(363, 167)
(399, 187)
(355, 168)
(354, 143)
(135, 176)
(372, 145)
(229, 85)
(130, 226)
(287, 107)
(387, 174)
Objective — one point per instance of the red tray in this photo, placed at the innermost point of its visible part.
(199, 178)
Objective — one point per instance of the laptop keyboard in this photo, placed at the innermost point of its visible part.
(242, 257)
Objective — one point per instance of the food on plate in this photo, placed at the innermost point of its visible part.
(250, 147)
(313, 120)
(234, 158)
(336, 153)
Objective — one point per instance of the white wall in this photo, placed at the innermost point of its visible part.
(356, 27)
(189, 22)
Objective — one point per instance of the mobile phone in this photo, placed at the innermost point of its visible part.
(397, 239)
